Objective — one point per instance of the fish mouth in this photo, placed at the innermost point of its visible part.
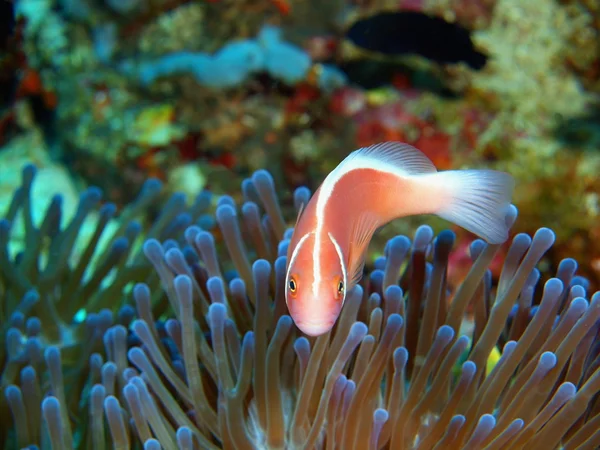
(314, 327)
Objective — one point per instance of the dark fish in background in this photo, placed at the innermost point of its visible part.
(410, 32)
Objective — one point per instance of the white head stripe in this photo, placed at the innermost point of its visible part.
(360, 159)
(353, 161)
(293, 258)
(338, 250)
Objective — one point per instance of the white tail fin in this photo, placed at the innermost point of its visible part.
(477, 200)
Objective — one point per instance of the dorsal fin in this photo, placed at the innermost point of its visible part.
(403, 157)
(362, 231)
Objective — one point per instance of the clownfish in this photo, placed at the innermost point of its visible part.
(369, 188)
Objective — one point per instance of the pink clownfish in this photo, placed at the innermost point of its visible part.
(369, 188)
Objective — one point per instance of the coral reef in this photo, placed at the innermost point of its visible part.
(189, 87)
(584, 52)
(531, 90)
(205, 355)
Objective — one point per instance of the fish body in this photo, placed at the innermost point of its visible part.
(411, 32)
(371, 187)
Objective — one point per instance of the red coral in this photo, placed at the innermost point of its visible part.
(436, 145)
(370, 133)
(392, 122)
(304, 94)
(283, 7)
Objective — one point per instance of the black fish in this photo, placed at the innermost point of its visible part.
(409, 32)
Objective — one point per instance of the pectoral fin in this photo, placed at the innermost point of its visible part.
(362, 231)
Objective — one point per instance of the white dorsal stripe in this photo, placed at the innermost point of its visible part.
(338, 250)
(293, 259)
(396, 155)
(396, 158)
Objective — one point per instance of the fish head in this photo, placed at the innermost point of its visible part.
(315, 283)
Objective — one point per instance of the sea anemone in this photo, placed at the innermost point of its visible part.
(62, 286)
(212, 360)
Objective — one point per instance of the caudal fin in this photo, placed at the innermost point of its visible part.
(477, 200)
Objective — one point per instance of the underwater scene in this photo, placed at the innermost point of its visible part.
(299, 224)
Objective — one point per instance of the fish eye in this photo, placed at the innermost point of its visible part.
(292, 285)
(340, 287)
